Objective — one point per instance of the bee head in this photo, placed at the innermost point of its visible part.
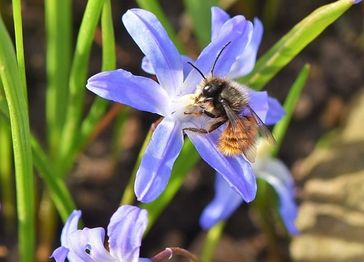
(212, 89)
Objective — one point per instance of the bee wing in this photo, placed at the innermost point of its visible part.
(251, 152)
(239, 137)
(263, 129)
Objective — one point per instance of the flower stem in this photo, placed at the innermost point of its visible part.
(265, 200)
(211, 241)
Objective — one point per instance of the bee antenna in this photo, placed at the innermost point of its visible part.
(198, 70)
(218, 56)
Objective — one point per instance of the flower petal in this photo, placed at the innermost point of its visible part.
(277, 175)
(275, 111)
(246, 61)
(88, 245)
(147, 66)
(70, 227)
(259, 103)
(60, 254)
(136, 91)
(237, 31)
(269, 110)
(155, 168)
(225, 202)
(142, 259)
(125, 231)
(218, 18)
(235, 170)
(287, 207)
(153, 40)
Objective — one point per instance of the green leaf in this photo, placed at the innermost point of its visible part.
(293, 42)
(184, 163)
(99, 106)
(280, 128)
(78, 75)
(56, 186)
(58, 22)
(19, 46)
(154, 7)
(59, 192)
(7, 189)
(200, 13)
(19, 120)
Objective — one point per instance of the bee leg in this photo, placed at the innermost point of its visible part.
(216, 125)
(204, 131)
(196, 130)
(209, 114)
(198, 113)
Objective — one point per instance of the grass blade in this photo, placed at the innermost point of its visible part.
(58, 61)
(99, 106)
(19, 45)
(78, 75)
(280, 128)
(6, 177)
(56, 186)
(200, 12)
(20, 131)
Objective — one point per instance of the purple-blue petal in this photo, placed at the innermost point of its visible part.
(218, 18)
(246, 61)
(156, 165)
(153, 40)
(70, 227)
(235, 170)
(88, 245)
(275, 111)
(259, 103)
(148, 67)
(136, 91)
(237, 31)
(225, 202)
(279, 177)
(269, 110)
(60, 254)
(125, 231)
(287, 206)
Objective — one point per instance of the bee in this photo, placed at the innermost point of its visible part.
(226, 101)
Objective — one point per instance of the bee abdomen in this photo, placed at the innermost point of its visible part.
(237, 137)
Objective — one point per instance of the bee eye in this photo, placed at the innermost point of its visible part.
(210, 90)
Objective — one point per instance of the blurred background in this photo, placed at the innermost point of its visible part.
(323, 147)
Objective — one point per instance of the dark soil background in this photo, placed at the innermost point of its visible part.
(101, 173)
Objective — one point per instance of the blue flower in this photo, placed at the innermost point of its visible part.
(174, 93)
(125, 232)
(226, 201)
